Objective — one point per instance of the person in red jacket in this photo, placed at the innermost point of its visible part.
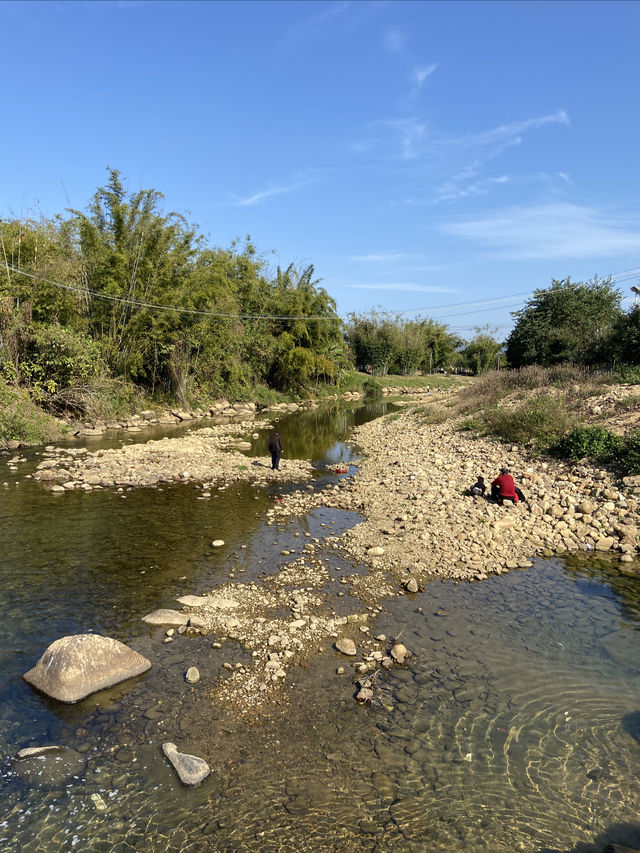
(504, 487)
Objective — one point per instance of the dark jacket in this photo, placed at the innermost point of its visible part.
(274, 443)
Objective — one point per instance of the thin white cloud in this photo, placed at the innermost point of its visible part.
(258, 198)
(421, 73)
(415, 139)
(381, 257)
(403, 286)
(549, 231)
(454, 189)
(395, 40)
(509, 131)
(410, 133)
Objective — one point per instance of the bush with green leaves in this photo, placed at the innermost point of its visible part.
(595, 441)
(629, 374)
(22, 420)
(628, 457)
(372, 389)
(539, 421)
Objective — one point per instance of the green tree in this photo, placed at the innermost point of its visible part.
(624, 344)
(131, 254)
(482, 352)
(568, 322)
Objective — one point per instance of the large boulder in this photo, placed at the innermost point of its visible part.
(74, 667)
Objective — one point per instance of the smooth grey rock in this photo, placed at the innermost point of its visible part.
(411, 585)
(365, 694)
(191, 770)
(166, 617)
(76, 666)
(49, 766)
(192, 675)
(34, 751)
(399, 652)
(217, 601)
(346, 646)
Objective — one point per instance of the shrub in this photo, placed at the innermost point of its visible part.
(540, 421)
(22, 420)
(595, 441)
(628, 458)
(629, 374)
(59, 357)
(372, 389)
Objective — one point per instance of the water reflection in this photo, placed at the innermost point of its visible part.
(514, 727)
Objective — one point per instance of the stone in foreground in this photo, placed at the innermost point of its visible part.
(74, 667)
(166, 617)
(191, 770)
(346, 646)
(49, 766)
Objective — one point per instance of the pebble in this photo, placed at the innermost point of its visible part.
(346, 646)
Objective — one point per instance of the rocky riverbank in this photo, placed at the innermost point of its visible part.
(419, 524)
(205, 456)
(421, 521)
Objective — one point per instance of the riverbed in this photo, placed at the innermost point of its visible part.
(514, 726)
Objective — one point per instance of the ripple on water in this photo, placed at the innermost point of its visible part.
(513, 728)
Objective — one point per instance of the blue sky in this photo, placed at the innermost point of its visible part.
(420, 155)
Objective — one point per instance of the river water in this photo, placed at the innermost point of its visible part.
(515, 726)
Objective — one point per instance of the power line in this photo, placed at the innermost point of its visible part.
(491, 303)
(84, 291)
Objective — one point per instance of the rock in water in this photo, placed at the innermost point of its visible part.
(411, 585)
(76, 666)
(399, 652)
(191, 770)
(346, 646)
(365, 694)
(49, 766)
(192, 675)
(166, 617)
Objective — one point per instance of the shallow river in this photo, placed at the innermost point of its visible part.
(515, 726)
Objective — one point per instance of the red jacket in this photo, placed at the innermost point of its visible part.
(507, 486)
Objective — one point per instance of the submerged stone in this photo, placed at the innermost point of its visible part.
(73, 667)
(191, 770)
(49, 766)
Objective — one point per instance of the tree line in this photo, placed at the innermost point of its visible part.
(128, 291)
(125, 291)
(577, 322)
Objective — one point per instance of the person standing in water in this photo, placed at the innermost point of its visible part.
(274, 444)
